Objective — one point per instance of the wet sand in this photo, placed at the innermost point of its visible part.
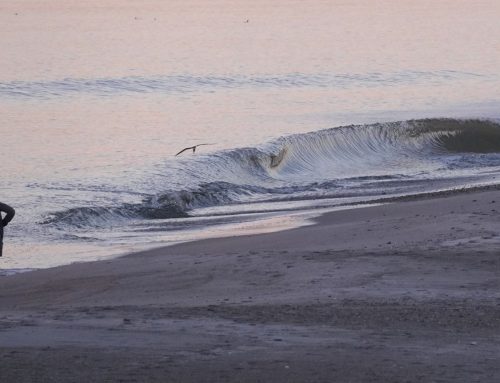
(402, 292)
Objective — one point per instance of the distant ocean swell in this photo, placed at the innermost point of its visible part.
(363, 161)
(177, 84)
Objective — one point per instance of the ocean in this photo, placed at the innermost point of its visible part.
(305, 107)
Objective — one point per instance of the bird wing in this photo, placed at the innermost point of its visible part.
(191, 147)
(183, 150)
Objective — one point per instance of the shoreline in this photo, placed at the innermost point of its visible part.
(405, 291)
(261, 226)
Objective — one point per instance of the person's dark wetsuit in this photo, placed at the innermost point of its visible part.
(10, 212)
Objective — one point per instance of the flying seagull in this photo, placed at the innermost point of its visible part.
(192, 147)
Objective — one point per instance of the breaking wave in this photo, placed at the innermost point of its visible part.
(360, 161)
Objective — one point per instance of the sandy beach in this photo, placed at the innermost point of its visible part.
(401, 292)
(325, 173)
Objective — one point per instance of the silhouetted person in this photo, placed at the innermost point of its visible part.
(9, 214)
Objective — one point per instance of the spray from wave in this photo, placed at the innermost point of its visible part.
(358, 161)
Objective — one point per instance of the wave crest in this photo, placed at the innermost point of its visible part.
(330, 162)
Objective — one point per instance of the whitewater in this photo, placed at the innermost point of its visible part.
(338, 108)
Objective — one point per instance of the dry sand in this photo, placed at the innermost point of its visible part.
(403, 292)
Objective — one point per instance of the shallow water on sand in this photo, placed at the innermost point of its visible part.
(97, 97)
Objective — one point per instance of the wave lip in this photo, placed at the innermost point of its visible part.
(358, 150)
(359, 161)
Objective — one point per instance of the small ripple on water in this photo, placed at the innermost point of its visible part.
(178, 84)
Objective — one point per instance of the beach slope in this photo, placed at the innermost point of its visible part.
(401, 292)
